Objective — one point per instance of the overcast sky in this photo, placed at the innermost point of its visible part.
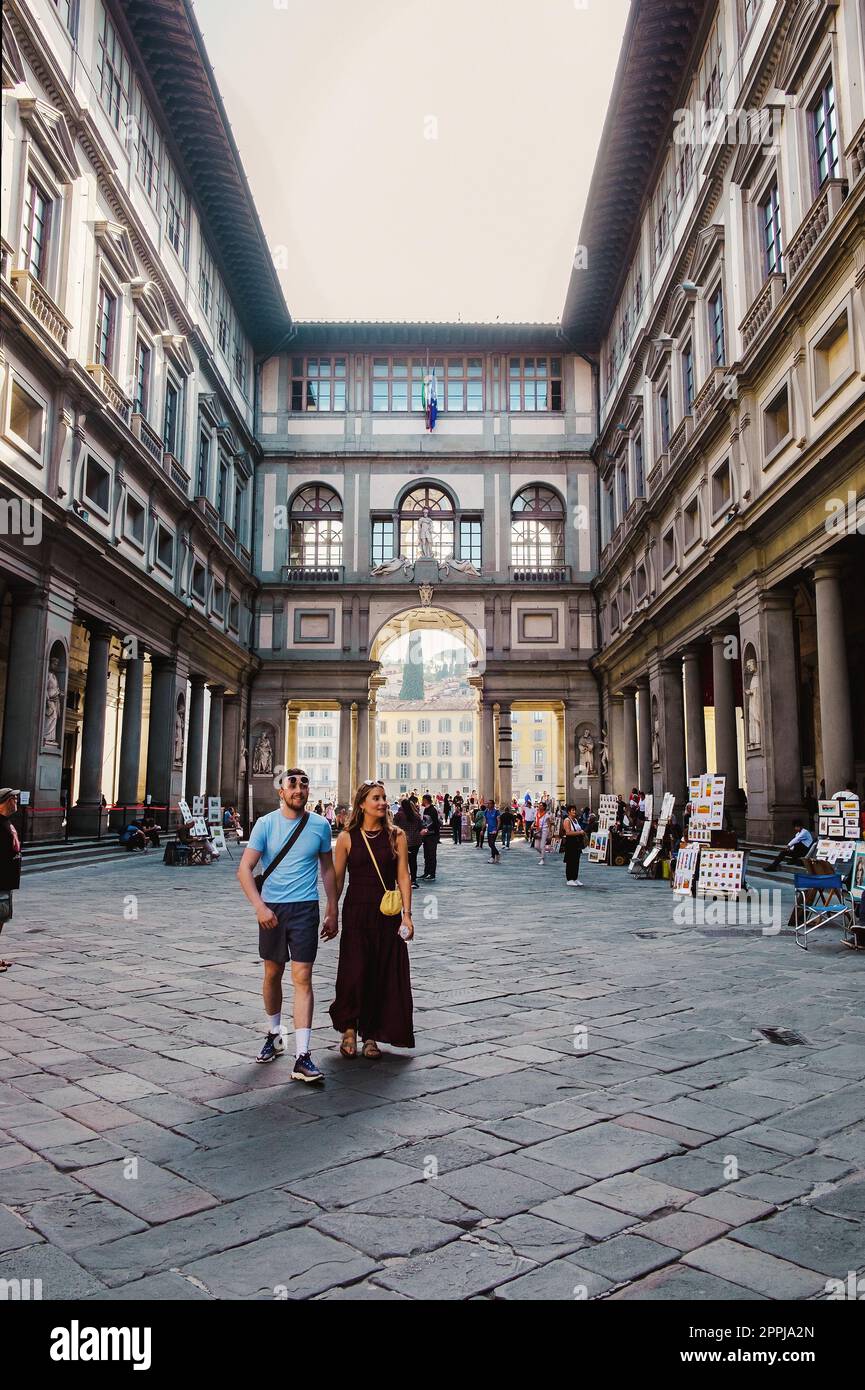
(412, 160)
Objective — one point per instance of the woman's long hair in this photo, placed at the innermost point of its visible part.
(355, 820)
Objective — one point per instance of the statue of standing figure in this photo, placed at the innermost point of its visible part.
(179, 730)
(425, 535)
(53, 701)
(753, 703)
(586, 746)
(262, 757)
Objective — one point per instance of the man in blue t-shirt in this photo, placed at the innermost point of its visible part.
(288, 912)
(491, 816)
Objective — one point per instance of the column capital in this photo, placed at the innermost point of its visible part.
(693, 652)
(826, 567)
(721, 631)
(216, 690)
(198, 682)
(642, 683)
(98, 629)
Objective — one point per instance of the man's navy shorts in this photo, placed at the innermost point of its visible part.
(295, 937)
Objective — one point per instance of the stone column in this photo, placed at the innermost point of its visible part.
(164, 766)
(228, 790)
(487, 749)
(672, 716)
(343, 781)
(195, 741)
(570, 735)
(631, 766)
(726, 751)
(616, 778)
(130, 737)
(772, 743)
(645, 742)
(372, 736)
(362, 770)
(562, 778)
(88, 810)
(695, 717)
(292, 754)
(836, 720)
(214, 740)
(505, 753)
(353, 756)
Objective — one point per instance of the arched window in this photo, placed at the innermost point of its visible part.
(426, 524)
(537, 530)
(316, 528)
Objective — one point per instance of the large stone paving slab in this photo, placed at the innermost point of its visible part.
(499, 1162)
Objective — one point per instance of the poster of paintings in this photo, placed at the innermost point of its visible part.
(217, 836)
(199, 828)
(668, 802)
(599, 846)
(833, 850)
(857, 880)
(707, 806)
(607, 808)
(198, 806)
(722, 871)
(838, 818)
(214, 810)
(686, 869)
(185, 813)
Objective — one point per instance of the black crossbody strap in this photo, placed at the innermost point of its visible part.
(275, 863)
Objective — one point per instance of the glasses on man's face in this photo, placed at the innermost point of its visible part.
(296, 781)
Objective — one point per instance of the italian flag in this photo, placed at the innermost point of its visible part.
(430, 400)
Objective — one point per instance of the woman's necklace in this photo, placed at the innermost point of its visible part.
(371, 834)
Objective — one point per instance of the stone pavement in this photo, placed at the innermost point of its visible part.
(591, 1110)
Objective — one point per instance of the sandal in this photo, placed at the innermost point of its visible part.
(348, 1046)
(5, 965)
(370, 1048)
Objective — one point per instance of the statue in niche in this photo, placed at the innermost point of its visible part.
(179, 731)
(753, 702)
(586, 745)
(244, 751)
(262, 757)
(53, 701)
(656, 741)
(603, 754)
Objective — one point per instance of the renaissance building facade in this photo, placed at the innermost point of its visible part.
(642, 522)
(136, 289)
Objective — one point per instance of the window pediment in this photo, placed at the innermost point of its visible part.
(209, 407)
(807, 23)
(49, 129)
(116, 243)
(176, 348)
(659, 356)
(632, 413)
(151, 301)
(13, 64)
(710, 243)
(681, 302)
(751, 154)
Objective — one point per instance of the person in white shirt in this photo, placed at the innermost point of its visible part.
(798, 847)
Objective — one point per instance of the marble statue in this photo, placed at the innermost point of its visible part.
(754, 703)
(179, 730)
(53, 701)
(262, 757)
(425, 535)
(586, 746)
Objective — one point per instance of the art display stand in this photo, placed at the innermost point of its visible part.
(600, 842)
(638, 866)
(709, 864)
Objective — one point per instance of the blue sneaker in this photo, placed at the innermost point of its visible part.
(305, 1069)
(274, 1046)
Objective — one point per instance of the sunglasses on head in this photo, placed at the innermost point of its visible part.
(295, 781)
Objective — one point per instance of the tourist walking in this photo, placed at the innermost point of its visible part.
(491, 819)
(294, 845)
(507, 820)
(446, 808)
(456, 824)
(410, 820)
(10, 858)
(431, 832)
(542, 831)
(373, 980)
(573, 837)
(480, 827)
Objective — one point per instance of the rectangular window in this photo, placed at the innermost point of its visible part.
(463, 384)
(770, 222)
(535, 383)
(444, 726)
(691, 523)
(222, 488)
(444, 747)
(203, 480)
(217, 600)
(382, 542)
(776, 421)
(97, 485)
(26, 418)
(470, 542)
(106, 308)
(398, 383)
(722, 488)
(133, 521)
(716, 328)
(318, 383)
(403, 772)
(175, 210)
(164, 548)
(205, 279)
(199, 581)
(223, 315)
(171, 418)
(824, 124)
(239, 357)
(662, 214)
(664, 417)
(142, 378)
(113, 75)
(238, 512)
(403, 750)
(639, 473)
(712, 71)
(68, 12)
(146, 148)
(624, 498)
(668, 550)
(688, 377)
(36, 231)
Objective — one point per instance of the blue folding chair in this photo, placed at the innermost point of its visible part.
(820, 911)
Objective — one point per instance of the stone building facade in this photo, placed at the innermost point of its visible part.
(731, 328)
(136, 289)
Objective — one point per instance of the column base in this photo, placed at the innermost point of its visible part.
(88, 819)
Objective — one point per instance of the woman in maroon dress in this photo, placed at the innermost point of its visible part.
(373, 983)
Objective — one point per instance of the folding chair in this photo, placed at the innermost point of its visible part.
(819, 900)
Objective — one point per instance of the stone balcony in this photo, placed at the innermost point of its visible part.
(313, 574)
(175, 470)
(556, 574)
(41, 306)
(761, 310)
(118, 401)
(825, 207)
(147, 436)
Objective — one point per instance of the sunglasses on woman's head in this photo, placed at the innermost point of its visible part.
(296, 781)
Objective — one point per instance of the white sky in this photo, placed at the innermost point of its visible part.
(331, 103)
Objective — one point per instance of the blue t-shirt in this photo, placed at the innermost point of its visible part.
(296, 878)
(492, 819)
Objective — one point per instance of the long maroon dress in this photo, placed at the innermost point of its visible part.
(373, 982)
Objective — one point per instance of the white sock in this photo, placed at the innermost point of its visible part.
(301, 1041)
(274, 1021)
